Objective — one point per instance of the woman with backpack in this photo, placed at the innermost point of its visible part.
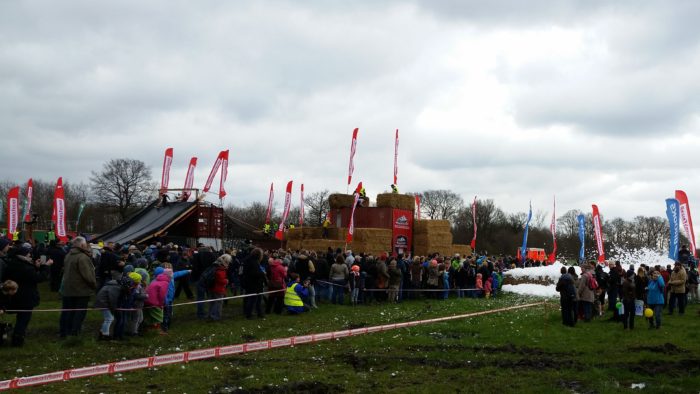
(586, 292)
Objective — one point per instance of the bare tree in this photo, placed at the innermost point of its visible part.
(440, 204)
(123, 184)
(318, 207)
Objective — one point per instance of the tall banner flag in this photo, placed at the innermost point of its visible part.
(396, 157)
(598, 228)
(287, 202)
(473, 244)
(12, 211)
(189, 179)
(60, 205)
(165, 177)
(268, 215)
(301, 209)
(672, 212)
(353, 147)
(351, 227)
(417, 207)
(523, 249)
(687, 220)
(553, 229)
(581, 235)
(28, 202)
(224, 173)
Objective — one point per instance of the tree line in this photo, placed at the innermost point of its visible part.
(123, 186)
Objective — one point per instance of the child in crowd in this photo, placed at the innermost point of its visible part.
(157, 292)
(354, 282)
(488, 287)
(170, 297)
(137, 297)
(479, 285)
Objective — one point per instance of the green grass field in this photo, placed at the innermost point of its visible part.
(526, 350)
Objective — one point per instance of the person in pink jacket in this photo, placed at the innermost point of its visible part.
(479, 285)
(153, 306)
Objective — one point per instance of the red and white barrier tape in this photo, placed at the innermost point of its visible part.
(202, 354)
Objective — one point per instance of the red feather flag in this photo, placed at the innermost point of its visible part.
(353, 147)
(287, 202)
(12, 211)
(60, 204)
(189, 179)
(553, 229)
(473, 244)
(598, 228)
(268, 215)
(351, 227)
(165, 177)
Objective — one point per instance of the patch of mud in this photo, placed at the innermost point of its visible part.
(507, 348)
(574, 386)
(313, 387)
(666, 368)
(353, 326)
(666, 348)
(248, 337)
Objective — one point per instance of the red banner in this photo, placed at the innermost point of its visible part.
(353, 147)
(60, 205)
(301, 209)
(213, 172)
(287, 202)
(351, 227)
(402, 231)
(598, 228)
(553, 229)
(165, 177)
(473, 244)
(396, 157)
(268, 215)
(687, 220)
(189, 179)
(28, 207)
(418, 207)
(12, 211)
(224, 173)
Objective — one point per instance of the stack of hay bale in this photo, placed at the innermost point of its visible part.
(337, 201)
(396, 201)
(463, 250)
(431, 236)
(367, 240)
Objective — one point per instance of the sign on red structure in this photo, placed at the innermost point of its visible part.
(402, 230)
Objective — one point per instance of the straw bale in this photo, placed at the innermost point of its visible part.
(337, 233)
(397, 201)
(294, 234)
(372, 234)
(338, 200)
(463, 250)
(294, 244)
(312, 232)
(424, 226)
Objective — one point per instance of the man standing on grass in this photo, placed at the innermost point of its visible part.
(79, 283)
(677, 285)
(567, 292)
(586, 294)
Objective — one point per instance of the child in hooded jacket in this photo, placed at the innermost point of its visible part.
(138, 295)
(170, 297)
(157, 292)
(488, 287)
(354, 283)
(479, 285)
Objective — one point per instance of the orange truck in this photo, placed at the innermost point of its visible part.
(534, 254)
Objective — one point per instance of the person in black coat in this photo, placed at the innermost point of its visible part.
(27, 273)
(567, 292)
(253, 282)
(56, 253)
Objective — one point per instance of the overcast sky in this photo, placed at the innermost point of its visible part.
(594, 101)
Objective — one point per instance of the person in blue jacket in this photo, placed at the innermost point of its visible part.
(655, 298)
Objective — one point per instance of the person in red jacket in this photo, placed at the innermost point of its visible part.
(276, 275)
(218, 289)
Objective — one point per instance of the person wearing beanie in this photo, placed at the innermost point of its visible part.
(629, 295)
(157, 292)
(135, 301)
(170, 296)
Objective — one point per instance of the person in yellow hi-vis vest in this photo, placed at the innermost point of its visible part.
(295, 294)
(266, 228)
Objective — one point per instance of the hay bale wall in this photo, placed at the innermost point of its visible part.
(338, 200)
(424, 226)
(431, 236)
(365, 240)
(463, 250)
(396, 201)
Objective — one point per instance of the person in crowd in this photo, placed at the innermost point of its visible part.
(614, 283)
(8, 289)
(153, 306)
(79, 284)
(253, 282)
(110, 265)
(640, 285)
(56, 253)
(322, 265)
(4, 258)
(136, 300)
(655, 298)
(27, 273)
(338, 276)
(677, 289)
(586, 292)
(182, 283)
(629, 295)
(479, 285)
(202, 259)
(217, 291)
(567, 298)
(276, 282)
(394, 281)
(693, 284)
(355, 285)
(295, 294)
(306, 269)
(170, 297)
(488, 287)
(602, 278)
